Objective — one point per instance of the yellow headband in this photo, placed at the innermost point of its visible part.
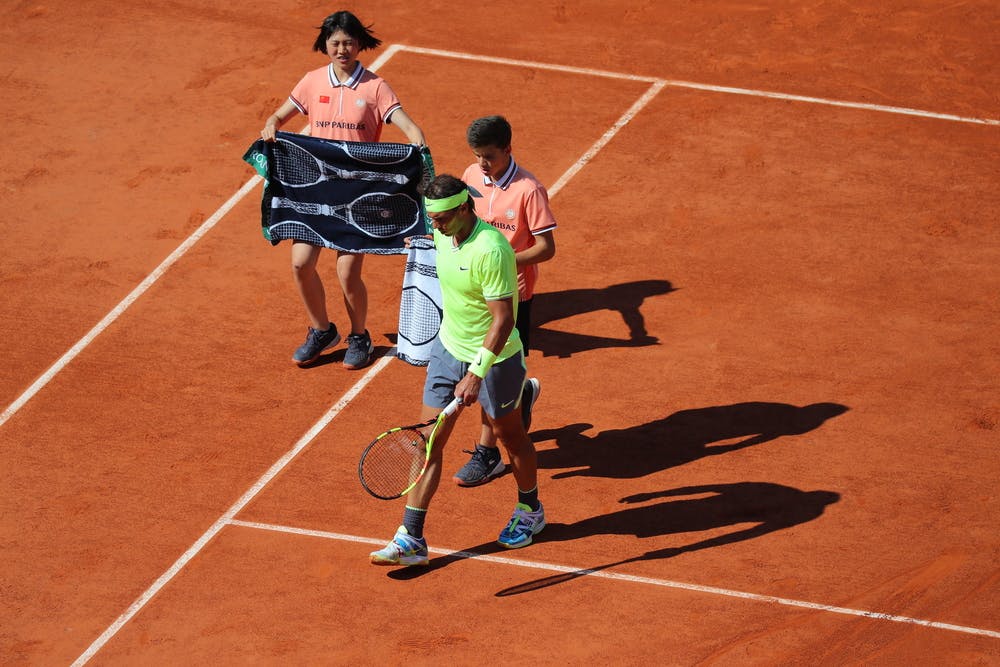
(446, 204)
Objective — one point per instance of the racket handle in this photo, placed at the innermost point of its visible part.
(452, 407)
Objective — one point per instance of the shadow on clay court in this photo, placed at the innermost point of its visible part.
(771, 507)
(437, 562)
(711, 507)
(336, 356)
(682, 437)
(626, 299)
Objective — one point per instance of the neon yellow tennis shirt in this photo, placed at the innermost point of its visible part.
(481, 269)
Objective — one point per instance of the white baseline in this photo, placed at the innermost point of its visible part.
(566, 569)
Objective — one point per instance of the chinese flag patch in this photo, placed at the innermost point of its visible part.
(324, 99)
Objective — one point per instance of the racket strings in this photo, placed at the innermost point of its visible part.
(420, 317)
(294, 165)
(394, 462)
(295, 230)
(298, 206)
(383, 216)
(379, 153)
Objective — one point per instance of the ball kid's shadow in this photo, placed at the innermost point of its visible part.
(626, 299)
(679, 438)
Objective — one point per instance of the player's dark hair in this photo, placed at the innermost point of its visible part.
(350, 24)
(489, 131)
(444, 185)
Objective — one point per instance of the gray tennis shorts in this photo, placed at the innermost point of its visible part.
(499, 394)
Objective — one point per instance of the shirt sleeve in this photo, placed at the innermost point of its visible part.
(386, 101)
(300, 96)
(497, 274)
(537, 212)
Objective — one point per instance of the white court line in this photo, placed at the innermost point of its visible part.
(226, 518)
(116, 312)
(702, 86)
(601, 574)
(606, 137)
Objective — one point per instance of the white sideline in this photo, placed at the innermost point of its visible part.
(603, 574)
(226, 518)
(116, 312)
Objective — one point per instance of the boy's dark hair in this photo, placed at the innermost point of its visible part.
(444, 185)
(489, 131)
(349, 23)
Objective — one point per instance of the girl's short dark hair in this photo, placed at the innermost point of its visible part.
(350, 24)
(444, 185)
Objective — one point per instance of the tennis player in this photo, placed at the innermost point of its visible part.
(345, 102)
(516, 203)
(477, 357)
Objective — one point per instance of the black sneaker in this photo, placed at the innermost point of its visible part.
(532, 390)
(316, 342)
(359, 351)
(485, 464)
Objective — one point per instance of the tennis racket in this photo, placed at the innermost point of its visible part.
(396, 460)
(377, 214)
(295, 167)
(376, 152)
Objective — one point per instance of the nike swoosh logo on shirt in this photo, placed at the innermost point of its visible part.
(463, 268)
(506, 405)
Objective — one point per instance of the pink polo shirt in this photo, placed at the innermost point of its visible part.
(355, 110)
(518, 205)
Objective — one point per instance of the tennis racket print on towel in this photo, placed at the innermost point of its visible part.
(420, 309)
(419, 316)
(295, 167)
(377, 214)
(380, 152)
(348, 196)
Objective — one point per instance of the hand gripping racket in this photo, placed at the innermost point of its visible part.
(295, 167)
(377, 214)
(396, 460)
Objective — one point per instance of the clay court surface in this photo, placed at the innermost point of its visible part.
(769, 344)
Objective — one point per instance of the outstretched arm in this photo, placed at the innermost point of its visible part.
(277, 119)
(400, 119)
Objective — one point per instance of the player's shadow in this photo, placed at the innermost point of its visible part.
(769, 507)
(626, 299)
(679, 438)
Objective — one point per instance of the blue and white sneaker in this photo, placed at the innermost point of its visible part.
(359, 351)
(316, 342)
(402, 550)
(524, 525)
(484, 464)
